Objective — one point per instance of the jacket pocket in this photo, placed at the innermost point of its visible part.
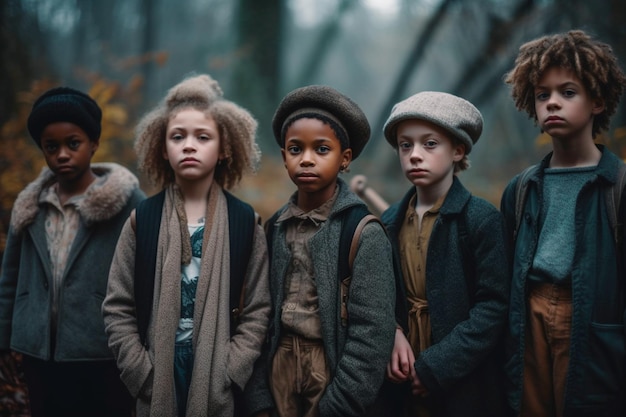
(605, 374)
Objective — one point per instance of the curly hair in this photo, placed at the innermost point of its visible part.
(236, 127)
(593, 62)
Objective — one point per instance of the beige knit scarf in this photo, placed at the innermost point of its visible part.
(211, 334)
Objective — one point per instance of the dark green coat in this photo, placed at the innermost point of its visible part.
(467, 288)
(596, 378)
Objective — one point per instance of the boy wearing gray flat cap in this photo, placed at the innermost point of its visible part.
(329, 338)
(452, 272)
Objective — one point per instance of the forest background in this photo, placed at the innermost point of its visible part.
(128, 53)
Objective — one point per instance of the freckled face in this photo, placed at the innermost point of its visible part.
(313, 158)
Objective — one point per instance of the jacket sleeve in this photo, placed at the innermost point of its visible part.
(8, 287)
(370, 332)
(471, 341)
(120, 320)
(245, 345)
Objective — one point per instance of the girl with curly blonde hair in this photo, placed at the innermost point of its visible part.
(195, 352)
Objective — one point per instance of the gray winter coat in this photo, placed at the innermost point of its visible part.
(26, 280)
(357, 354)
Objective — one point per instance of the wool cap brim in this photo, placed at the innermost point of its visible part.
(65, 104)
(457, 116)
(331, 101)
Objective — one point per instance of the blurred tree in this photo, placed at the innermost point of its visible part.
(20, 44)
(256, 73)
(323, 45)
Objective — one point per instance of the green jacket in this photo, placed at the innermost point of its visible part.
(596, 378)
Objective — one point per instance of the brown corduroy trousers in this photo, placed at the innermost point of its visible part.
(546, 355)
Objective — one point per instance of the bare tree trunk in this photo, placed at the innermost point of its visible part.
(257, 73)
(20, 41)
(147, 44)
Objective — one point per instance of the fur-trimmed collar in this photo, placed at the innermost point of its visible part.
(102, 200)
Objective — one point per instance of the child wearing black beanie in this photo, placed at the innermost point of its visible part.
(63, 231)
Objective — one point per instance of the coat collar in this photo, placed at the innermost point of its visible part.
(606, 170)
(345, 199)
(454, 202)
(102, 200)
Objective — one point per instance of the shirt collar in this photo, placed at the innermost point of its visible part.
(317, 215)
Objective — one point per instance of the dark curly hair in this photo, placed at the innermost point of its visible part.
(236, 127)
(593, 62)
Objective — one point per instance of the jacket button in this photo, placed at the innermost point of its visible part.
(528, 218)
(45, 284)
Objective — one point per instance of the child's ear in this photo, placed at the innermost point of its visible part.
(284, 155)
(458, 152)
(346, 158)
(94, 146)
(598, 106)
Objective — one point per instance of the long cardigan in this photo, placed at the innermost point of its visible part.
(467, 288)
(356, 354)
(220, 362)
(26, 281)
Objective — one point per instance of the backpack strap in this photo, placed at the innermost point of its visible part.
(613, 199)
(353, 222)
(520, 194)
(241, 223)
(354, 245)
(269, 233)
(147, 226)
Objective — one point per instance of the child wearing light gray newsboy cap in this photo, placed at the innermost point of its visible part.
(452, 275)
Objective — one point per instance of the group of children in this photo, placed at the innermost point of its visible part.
(184, 304)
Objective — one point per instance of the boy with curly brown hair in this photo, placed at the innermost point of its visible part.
(567, 343)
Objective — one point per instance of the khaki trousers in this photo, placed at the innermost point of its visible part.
(299, 376)
(546, 355)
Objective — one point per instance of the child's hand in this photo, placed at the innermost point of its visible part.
(417, 388)
(400, 367)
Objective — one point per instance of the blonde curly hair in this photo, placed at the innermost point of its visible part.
(236, 127)
(593, 62)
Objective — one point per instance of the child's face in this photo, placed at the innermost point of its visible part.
(313, 158)
(192, 146)
(427, 153)
(68, 151)
(564, 108)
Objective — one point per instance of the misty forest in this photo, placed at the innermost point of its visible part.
(128, 53)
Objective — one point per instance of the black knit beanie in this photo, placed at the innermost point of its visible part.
(64, 104)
